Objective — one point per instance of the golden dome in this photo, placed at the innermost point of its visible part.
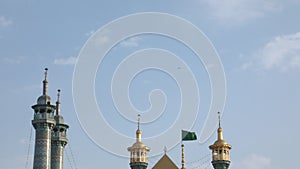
(220, 141)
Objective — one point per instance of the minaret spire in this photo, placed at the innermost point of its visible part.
(138, 131)
(45, 83)
(219, 116)
(139, 119)
(58, 103)
(220, 130)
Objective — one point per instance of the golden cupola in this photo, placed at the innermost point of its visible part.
(138, 151)
(220, 150)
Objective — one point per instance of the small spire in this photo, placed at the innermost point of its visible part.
(46, 73)
(139, 119)
(219, 116)
(58, 95)
(220, 131)
(138, 131)
(58, 103)
(165, 149)
(45, 83)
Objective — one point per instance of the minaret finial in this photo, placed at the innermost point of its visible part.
(165, 149)
(138, 131)
(139, 120)
(45, 83)
(220, 133)
(58, 95)
(58, 103)
(219, 116)
(46, 73)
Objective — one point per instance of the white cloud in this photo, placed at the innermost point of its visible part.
(237, 11)
(4, 22)
(281, 53)
(65, 61)
(253, 161)
(131, 42)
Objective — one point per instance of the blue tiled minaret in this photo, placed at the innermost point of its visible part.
(59, 138)
(43, 122)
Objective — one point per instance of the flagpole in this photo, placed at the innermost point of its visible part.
(182, 154)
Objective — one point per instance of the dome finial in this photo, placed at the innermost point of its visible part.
(220, 131)
(45, 83)
(58, 95)
(139, 119)
(58, 103)
(219, 116)
(138, 131)
(46, 73)
(165, 149)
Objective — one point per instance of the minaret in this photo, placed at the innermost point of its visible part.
(138, 151)
(220, 151)
(43, 123)
(59, 139)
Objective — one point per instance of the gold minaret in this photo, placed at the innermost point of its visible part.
(220, 150)
(138, 151)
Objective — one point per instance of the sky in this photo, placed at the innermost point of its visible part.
(258, 44)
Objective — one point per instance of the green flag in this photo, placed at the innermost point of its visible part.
(188, 135)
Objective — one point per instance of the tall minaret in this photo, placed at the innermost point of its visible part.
(220, 151)
(138, 151)
(43, 123)
(59, 138)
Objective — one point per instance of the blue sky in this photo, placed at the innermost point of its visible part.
(258, 43)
